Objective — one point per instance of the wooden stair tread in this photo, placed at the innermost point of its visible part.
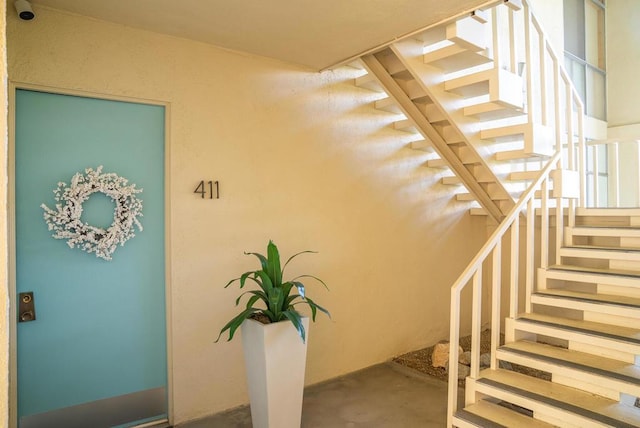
(530, 391)
(524, 175)
(604, 231)
(608, 212)
(594, 329)
(625, 301)
(470, 85)
(513, 154)
(600, 247)
(492, 110)
(486, 414)
(598, 252)
(478, 212)
(597, 271)
(455, 58)
(580, 361)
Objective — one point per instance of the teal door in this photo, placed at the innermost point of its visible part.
(95, 354)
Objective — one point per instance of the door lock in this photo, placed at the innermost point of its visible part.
(26, 307)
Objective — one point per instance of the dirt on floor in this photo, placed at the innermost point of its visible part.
(420, 360)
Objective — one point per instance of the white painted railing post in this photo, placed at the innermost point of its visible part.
(543, 79)
(529, 253)
(476, 324)
(529, 71)
(544, 225)
(581, 154)
(614, 174)
(513, 59)
(454, 339)
(496, 291)
(596, 173)
(515, 250)
(558, 119)
(495, 27)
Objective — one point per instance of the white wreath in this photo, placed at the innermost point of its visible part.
(65, 219)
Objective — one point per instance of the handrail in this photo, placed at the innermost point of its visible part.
(474, 270)
(502, 228)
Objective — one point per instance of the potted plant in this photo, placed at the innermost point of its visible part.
(274, 339)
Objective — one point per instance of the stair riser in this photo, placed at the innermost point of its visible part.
(618, 291)
(515, 329)
(605, 284)
(491, 414)
(592, 307)
(622, 320)
(607, 241)
(584, 385)
(601, 262)
(541, 411)
(599, 385)
(603, 241)
(608, 221)
(590, 348)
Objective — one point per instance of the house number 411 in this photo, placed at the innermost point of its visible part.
(207, 189)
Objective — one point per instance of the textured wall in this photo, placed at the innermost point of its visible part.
(623, 62)
(302, 158)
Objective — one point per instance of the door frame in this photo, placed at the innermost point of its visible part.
(13, 87)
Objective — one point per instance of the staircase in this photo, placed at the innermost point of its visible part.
(487, 93)
(580, 329)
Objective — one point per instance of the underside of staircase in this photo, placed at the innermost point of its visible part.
(508, 126)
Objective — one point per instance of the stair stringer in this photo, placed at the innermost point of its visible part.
(432, 80)
(440, 145)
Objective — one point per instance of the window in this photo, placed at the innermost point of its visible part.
(585, 60)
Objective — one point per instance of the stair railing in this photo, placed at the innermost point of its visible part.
(605, 161)
(474, 274)
(552, 101)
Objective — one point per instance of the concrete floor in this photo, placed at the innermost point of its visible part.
(382, 396)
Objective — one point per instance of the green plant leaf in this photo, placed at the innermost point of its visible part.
(257, 293)
(290, 300)
(294, 317)
(294, 256)
(252, 301)
(242, 279)
(314, 306)
(275, 301)
(300, 287)
(276, 295)
(235, 322)
(312, 277)
(273, 264)
(263, 259)
(270, 315)
(286, 289)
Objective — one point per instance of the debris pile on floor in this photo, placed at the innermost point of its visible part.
(434, 360)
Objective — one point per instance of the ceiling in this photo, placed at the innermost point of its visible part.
(317, 34)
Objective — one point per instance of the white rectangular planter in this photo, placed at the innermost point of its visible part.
(275, 360)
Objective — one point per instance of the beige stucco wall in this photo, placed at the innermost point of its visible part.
(623, 62)
(302, 158)
(623, 91)
(4, 291)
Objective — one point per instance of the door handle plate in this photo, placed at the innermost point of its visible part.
(26, 307)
